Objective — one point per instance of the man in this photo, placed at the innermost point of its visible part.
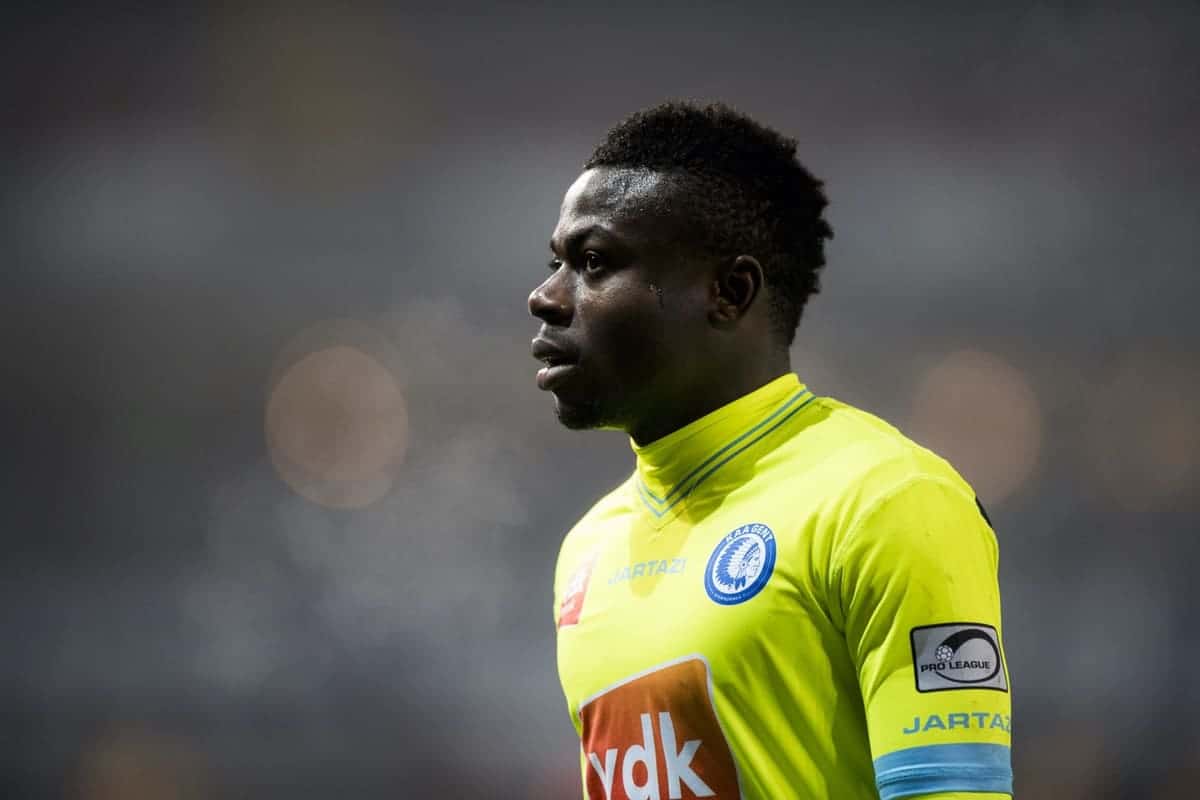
(787, 598)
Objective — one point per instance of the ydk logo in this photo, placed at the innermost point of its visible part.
(656, 737)
(642, 760)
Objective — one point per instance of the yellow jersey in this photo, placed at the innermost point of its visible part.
(786, 599)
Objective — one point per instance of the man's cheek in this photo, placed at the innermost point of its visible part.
(643, 347)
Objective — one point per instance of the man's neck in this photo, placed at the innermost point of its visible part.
(660, 422)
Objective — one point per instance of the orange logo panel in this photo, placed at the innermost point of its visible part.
(656, 737)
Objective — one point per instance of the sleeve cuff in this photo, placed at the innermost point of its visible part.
(944, 768)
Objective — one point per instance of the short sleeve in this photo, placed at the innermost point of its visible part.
(916, 581)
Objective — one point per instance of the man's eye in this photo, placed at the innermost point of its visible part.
(554, 264)
(592, 262)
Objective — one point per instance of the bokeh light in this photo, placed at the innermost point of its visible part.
(132, 762)
(981, 414)
(1142, 431)
(337, 426)
(1067, 761)
(314, 99)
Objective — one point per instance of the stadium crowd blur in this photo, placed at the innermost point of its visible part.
(281, 501)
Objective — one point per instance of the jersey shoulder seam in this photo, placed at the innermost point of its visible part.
(613, 500)
(921, 476)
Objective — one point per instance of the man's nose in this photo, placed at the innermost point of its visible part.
(551, 302)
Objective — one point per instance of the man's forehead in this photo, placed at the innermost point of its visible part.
(612, 191)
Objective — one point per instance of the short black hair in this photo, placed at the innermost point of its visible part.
(744, 187)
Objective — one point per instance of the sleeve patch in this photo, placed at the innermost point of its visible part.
(957, 655)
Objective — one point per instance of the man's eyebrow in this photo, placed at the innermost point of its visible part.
(573, 240)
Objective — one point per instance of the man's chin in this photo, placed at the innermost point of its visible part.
(580, 416)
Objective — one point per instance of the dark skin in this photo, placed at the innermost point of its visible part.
(642, 335)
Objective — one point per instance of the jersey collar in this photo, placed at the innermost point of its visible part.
(671, 468)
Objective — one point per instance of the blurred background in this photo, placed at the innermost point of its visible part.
(280, 499)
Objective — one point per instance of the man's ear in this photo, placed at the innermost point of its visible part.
(738, 282)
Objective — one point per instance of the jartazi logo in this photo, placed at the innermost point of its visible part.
(655, 736)
(958, 655)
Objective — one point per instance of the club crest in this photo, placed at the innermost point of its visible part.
(740, 564)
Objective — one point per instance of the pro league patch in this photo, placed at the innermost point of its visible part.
(957, 655)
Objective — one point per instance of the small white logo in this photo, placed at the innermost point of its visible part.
(957, 655)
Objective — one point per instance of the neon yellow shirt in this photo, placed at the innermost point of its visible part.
(787, 599)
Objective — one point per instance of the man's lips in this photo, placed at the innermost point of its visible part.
(560, 361)
(553, 352)
(551, 376)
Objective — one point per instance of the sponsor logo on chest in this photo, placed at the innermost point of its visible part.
(646, 569)
(576, 591)
(656, 737)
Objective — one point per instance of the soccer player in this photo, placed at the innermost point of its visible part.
(787, 598)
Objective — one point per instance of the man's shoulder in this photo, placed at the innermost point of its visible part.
(617, 502)
(854, 454)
